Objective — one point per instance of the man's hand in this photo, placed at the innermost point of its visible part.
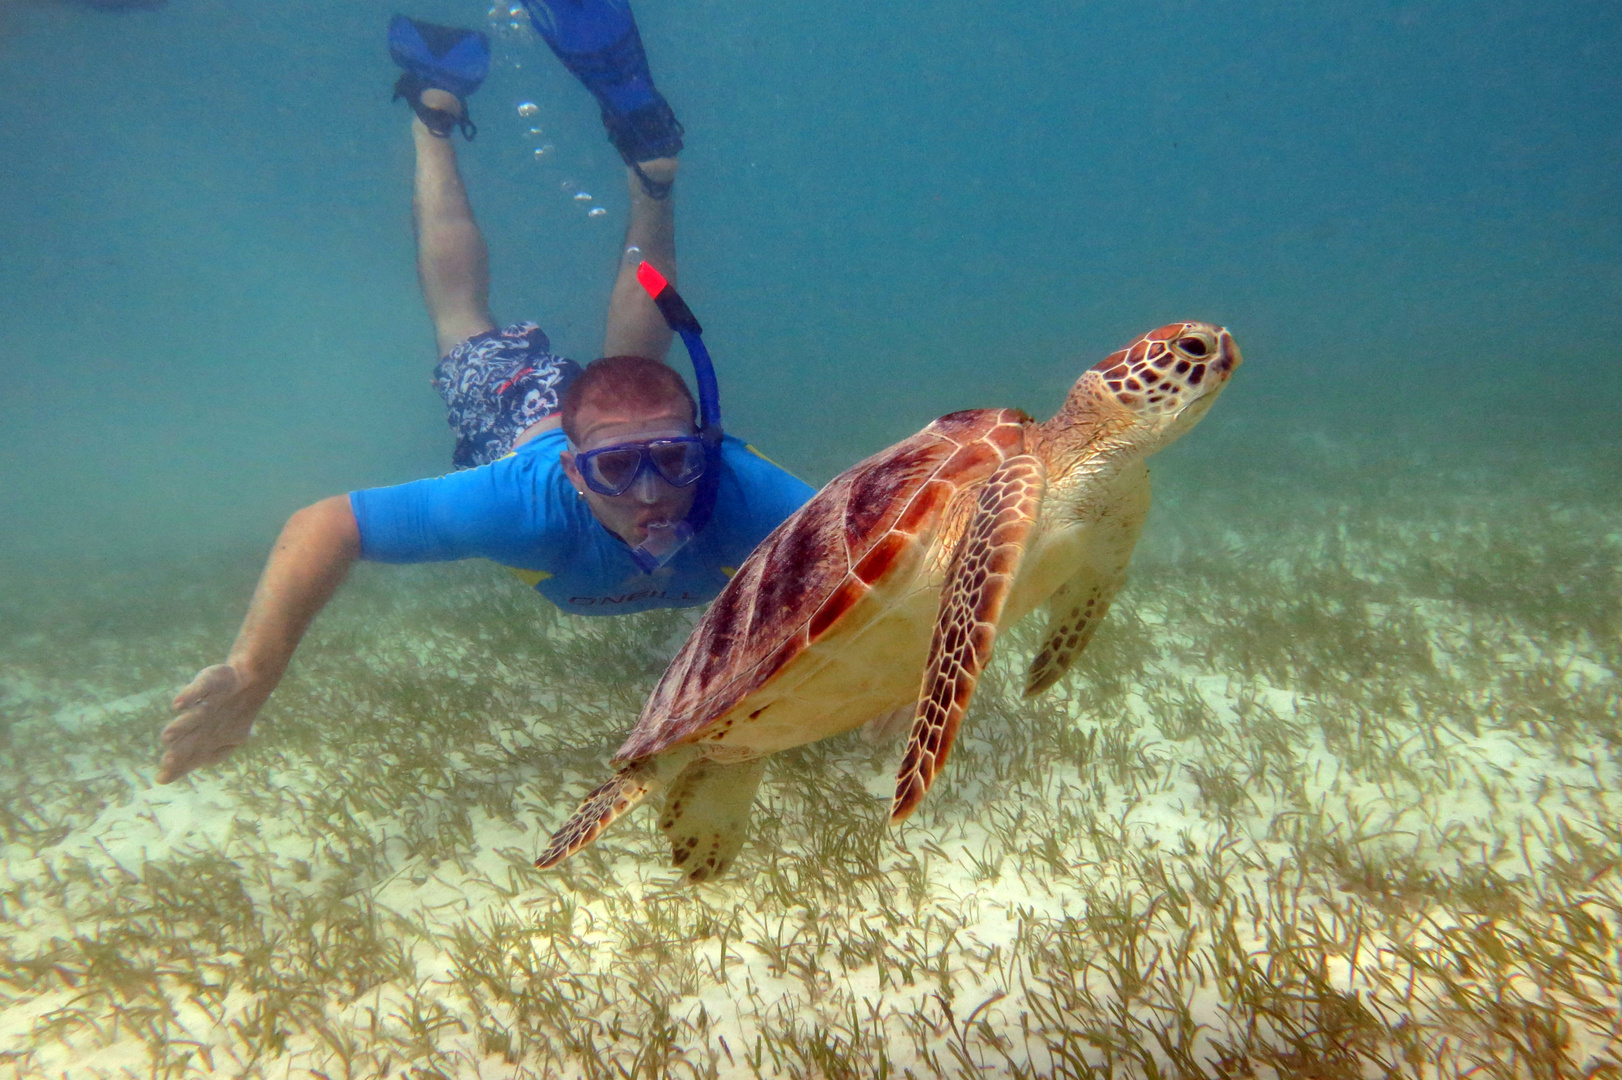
(217, 710)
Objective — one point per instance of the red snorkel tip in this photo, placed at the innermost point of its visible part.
(651, 279)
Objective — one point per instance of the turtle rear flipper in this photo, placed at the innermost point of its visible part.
(978, 584)
(706, 815)
(1078, 608)
(606, 802)
(888, 726)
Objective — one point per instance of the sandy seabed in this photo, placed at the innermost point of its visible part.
(1335, 793)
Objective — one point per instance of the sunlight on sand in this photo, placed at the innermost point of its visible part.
(1334, 794)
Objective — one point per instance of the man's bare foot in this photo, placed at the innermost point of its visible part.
(443, 100)
(438, 113)
(660, 173)
(661, 169)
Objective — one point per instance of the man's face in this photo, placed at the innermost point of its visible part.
(650, 498)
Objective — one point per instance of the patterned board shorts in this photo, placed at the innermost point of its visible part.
(495, 385)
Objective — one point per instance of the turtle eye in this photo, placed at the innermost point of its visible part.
(1193, 346)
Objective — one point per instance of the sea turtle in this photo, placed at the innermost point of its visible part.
(909, 561)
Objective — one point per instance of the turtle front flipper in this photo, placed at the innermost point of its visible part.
(706, 814)
(1080, 604)
(978, 583)
(606, 802)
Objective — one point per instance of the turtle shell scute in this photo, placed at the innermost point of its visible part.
(879, 489)
(825, 559)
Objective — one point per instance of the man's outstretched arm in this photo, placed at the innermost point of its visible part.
(310, 560)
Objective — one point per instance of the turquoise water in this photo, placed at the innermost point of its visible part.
(1401, 522)
(1408, 214)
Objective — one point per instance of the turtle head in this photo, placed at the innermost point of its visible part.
(1164, 381)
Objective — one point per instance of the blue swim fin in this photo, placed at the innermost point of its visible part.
(599, 42)
(445, 58)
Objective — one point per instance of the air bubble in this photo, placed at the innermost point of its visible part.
(528, 108)
(596, 211)
(582, 196)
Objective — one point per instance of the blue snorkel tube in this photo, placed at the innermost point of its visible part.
(679, 317)
(661, 545)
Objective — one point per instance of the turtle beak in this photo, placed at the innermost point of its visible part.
(1228, 355)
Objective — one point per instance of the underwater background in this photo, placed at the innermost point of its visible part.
(1335, 793)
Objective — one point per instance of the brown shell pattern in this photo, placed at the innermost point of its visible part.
(816, 566)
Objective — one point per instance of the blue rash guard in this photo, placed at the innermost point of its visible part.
(522, 512)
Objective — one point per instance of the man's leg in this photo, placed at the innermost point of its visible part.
(453, 263)
(635, 327)
(599, 42)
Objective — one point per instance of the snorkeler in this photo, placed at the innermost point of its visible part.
(606, 487)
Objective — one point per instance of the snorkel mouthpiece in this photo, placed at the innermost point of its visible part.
(664, 539)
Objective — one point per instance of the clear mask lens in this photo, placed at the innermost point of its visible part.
(612, 470)
(680, 463)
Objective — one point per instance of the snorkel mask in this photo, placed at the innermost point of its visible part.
(665, 540)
